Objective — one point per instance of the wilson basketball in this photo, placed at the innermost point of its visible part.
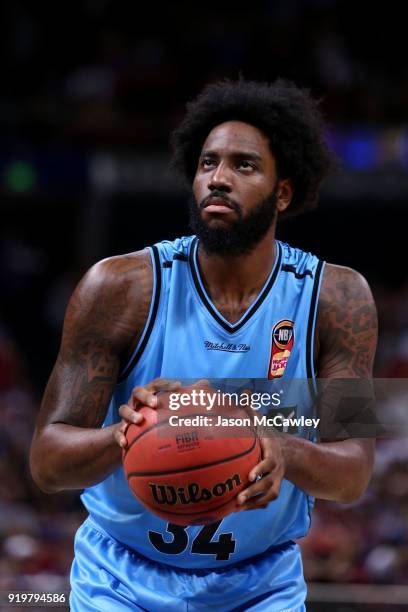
(189, 474)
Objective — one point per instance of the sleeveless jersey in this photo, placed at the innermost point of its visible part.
(185, 337)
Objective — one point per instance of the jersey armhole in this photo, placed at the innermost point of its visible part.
(311, 329)
(310, 367)
(154, 305)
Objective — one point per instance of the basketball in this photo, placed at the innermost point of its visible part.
(189, 474)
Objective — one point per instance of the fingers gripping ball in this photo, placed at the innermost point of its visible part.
(189, 475)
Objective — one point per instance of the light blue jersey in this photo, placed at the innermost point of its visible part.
(185, 337)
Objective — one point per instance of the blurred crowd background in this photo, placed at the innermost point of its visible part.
(90, 93)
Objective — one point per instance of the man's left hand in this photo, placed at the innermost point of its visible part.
(272, 470)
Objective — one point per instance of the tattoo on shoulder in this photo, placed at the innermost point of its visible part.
(347, 324)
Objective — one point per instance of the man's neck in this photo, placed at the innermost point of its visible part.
(233, 282)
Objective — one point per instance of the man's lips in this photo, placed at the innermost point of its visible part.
(217, 205)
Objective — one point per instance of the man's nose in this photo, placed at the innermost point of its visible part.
(220, 179)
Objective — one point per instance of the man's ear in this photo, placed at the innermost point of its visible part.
(284, 194)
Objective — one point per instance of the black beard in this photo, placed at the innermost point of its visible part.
(238, 238)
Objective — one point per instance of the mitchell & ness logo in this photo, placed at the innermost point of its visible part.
(228, 347)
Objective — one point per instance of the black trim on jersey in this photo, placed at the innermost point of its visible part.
(312, 314)
(289, 268)
(156, 299)
(178, 257)
(230, 327)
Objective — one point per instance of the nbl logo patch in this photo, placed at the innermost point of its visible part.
(283, 336)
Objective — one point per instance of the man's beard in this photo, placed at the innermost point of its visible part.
(236, 238)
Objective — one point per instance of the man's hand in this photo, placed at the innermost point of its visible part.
(272, 470)
(141, 396)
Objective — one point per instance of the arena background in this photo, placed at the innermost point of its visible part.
(90, 92)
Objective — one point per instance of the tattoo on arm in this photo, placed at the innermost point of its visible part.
(347, 325)
(88, 383)
(105, 316)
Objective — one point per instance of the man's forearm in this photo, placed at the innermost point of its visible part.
(66, 457)
(336, 471)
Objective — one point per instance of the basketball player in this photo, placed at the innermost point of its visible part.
(253, 152)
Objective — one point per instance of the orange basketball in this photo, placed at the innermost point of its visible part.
(186, 474)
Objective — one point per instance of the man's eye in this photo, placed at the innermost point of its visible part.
(207, 162)
(245, 164)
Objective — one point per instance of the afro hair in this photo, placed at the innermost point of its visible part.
(286, 114)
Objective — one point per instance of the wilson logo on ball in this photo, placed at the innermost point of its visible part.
(193, 493)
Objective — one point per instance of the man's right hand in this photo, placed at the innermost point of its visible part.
(141, 396)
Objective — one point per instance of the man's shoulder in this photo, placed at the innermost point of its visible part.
(342, 285)
(179, 247)
(133, 270)
(120, 270)
(297, 258)
(112, 302)
(346, 309)
(115, 292)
